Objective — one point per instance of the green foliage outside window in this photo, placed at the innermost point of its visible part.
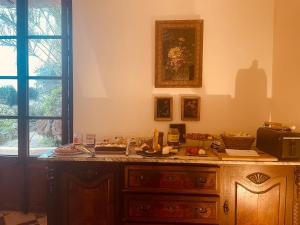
(8, 95)
(44, 95)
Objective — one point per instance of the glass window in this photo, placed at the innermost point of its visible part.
(44, 135)
(8, 137)
(44, 17)
(8, 18)
(45, 57)
(45, 98)
(8, 98)
(33, 83)
(8, 56)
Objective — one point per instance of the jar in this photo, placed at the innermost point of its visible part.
(173, 137)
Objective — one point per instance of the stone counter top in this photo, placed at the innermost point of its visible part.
(133, 158)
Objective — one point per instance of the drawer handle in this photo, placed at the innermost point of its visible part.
(143, 208)
(201, 210)
(141, 177)
(170, 178)
(201, 180)
(226, 207)
(171, 208)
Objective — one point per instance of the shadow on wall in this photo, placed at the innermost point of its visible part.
(246, 111)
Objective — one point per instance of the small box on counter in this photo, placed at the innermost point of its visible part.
(111, 146)
(280, 143)
(109, 149)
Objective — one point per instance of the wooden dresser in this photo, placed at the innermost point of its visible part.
(139, 191)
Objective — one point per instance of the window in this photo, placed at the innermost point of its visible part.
(35, 76)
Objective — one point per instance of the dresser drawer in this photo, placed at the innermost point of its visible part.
(172, 208)
(145, 223)
(174, 179)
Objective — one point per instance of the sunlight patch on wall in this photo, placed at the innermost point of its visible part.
(87, 67)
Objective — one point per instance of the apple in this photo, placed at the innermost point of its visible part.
(192, 150)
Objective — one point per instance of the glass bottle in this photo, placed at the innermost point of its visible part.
(173, 137)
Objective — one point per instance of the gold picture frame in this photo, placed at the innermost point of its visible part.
(190, 108)
(178, 53)
(163, 108)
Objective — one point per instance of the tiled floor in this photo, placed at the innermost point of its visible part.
(18, 218)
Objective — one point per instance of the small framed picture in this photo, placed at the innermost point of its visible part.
(190, 108)
(163, 108)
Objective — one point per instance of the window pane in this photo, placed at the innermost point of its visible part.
(8, 137)
(8, 98)
(44, 135)
(8, 17)
(45, 97)
(44, 17)
(8, 57)
(44, 57)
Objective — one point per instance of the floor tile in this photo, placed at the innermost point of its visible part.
(19, 218)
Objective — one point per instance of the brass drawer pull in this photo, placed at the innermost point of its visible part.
(201, 181)
(171, 178)
(140, 178)
(201, 210)
(142, 208)
(171, 208)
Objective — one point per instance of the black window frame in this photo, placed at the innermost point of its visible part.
(22, 38)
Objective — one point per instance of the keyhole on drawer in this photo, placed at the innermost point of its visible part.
(226, 207)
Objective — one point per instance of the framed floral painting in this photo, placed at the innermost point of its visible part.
(178, 53)
(190, 108)
(163, 108)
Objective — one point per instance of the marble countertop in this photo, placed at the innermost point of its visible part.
(134, 158)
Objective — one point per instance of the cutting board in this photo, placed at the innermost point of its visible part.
(262, 157)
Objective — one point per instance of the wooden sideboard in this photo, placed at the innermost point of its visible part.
(115, 193)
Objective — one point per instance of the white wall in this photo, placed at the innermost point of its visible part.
(114, 64)
(286, 76)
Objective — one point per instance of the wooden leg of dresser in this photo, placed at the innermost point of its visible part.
(297, 197)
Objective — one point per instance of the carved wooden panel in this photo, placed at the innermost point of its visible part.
(257, 195)
(82, 193)
(89, 205)
(258, 178)
(259, 208)
(88, 200)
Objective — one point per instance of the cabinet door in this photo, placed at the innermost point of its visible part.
(257, 195)
(88, 197)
